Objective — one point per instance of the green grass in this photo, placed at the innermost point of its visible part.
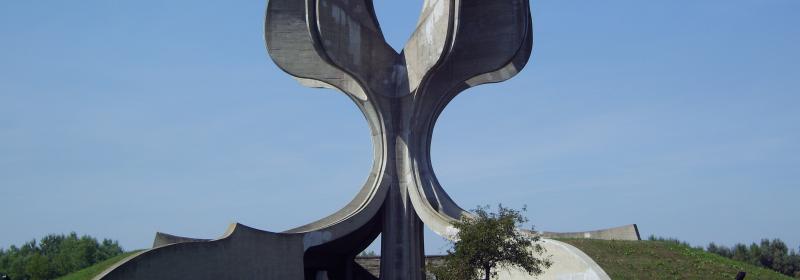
(665, 260)
(92, 271)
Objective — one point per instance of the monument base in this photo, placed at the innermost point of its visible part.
(247, 253)
(568, 263)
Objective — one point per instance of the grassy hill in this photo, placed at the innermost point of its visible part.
(89, 272)
(665, 260)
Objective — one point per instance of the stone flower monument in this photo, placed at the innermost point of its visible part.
(338, 44)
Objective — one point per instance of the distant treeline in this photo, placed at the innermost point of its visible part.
(774, 254)
(54, 256)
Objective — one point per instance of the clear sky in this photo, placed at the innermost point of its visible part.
(122, 118)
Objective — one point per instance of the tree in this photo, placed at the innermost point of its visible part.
(771, 254)
(39, 268)
(741, 253)
(719, 250)
(488, 240)
(54, 256)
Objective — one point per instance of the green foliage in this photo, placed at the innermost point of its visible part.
(665, 260)
(54, 256)
(772, 254)
(669, 240)
(488, 240)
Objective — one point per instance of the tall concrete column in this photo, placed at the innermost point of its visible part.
(402, 239)
(402, 250)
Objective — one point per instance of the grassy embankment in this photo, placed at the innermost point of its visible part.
(92, 271)
(665, 260)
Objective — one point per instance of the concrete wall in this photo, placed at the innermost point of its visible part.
(627, 232)
(243, 253)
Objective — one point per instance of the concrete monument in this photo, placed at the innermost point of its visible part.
(338, 44)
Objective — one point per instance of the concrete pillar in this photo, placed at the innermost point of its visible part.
(402, 251)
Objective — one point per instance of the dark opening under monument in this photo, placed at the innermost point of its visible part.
(338, 44)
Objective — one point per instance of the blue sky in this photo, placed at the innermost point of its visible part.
(122, 118)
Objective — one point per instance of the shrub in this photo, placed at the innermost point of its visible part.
(54, 256)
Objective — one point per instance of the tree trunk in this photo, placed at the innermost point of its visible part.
(487, 272)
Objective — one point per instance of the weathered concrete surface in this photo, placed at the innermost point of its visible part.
(163, 239)
(338, 44)
(243, 253)
(569, 263)
(627, 232)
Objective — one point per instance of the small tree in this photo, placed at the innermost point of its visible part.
(488, 240)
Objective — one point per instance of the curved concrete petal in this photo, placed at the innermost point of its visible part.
(471, 60)
(349, 36)
(427, 45)
(487, 36)
(296, 53)
(569, 263)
